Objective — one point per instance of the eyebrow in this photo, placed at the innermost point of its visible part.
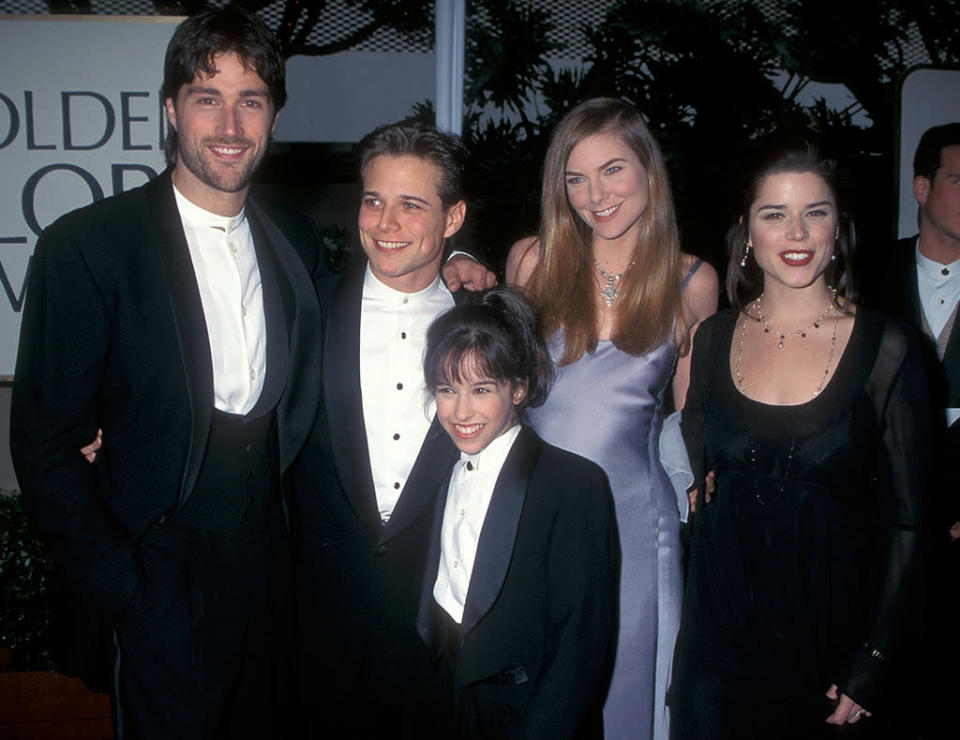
(403, 196)
(781, 206)
(200, 90)
(601, 167)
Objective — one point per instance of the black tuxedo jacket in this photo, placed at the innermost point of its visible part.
(535, 649)
(891, 287)
(113, 336)
(360, 579)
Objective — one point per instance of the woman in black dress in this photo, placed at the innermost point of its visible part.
(812, 414)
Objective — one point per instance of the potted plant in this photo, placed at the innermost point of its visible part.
(35, 700)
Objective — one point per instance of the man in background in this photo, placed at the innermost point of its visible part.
(919, 282)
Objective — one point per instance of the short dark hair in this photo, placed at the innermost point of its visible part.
(929, 155)
(788, 151)
(418, 139)
(213, 31)
(496, 332)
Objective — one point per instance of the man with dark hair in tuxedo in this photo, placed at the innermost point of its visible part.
(918, 281)
(180, 318)
(366, 483)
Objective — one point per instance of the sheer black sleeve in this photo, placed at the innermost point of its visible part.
(705, 356)
(898, 392)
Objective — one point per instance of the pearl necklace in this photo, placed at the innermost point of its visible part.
(738, 367)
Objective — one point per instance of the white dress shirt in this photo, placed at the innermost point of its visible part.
(396, 410)
(225, 263)
(939, 288)
(468, 497)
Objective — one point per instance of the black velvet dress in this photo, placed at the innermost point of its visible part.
(802, 567)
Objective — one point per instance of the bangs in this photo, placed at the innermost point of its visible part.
(466, 363)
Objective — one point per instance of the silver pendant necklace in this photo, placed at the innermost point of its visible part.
(610, 292)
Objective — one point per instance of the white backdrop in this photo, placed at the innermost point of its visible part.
(80, 118)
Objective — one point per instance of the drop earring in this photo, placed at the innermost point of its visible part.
(746, 253)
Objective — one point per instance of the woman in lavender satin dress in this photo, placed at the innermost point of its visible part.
(619, 302)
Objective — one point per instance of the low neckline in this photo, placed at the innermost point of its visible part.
(827, 390)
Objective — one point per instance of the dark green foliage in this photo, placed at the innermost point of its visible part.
(709, 77)
(507, 49)
(338, 244)
(25, 572)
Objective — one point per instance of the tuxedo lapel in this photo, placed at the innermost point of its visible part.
(427, 624)
(499, 533)
(951, 366)
(951, 360)
(294, 334)
(913, 309)
(344, 404)
(187, 309)
(437, 455)
(275, 321)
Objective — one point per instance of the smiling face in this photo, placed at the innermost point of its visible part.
(792, 228)
(475, 410)
(607, 185)
(223, 125)
(940, 199)
(402, 221)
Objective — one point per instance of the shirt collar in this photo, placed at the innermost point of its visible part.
(494, 454)
(197, 216)
(932, 272)
(373, 287)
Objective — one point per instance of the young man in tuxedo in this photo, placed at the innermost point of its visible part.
(365, 519)
(918, 281)
(180, 318)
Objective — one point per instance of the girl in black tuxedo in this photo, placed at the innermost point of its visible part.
(519, 597)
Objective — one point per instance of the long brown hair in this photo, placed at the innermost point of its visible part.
(563, 284)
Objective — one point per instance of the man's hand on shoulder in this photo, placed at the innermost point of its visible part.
(463, 271)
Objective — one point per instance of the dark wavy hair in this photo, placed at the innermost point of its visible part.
(496, 333)
(775, 154)
(418, 139)
(213, 31)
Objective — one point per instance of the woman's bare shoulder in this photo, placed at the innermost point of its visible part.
(522, 260)
(702, 291)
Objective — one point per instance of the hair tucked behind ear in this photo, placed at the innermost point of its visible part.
(496, 333)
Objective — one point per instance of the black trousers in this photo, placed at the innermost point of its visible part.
(206, 650)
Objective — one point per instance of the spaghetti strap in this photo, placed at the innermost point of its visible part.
(693, 268)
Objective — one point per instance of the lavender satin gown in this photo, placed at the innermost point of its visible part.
(608, 407)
